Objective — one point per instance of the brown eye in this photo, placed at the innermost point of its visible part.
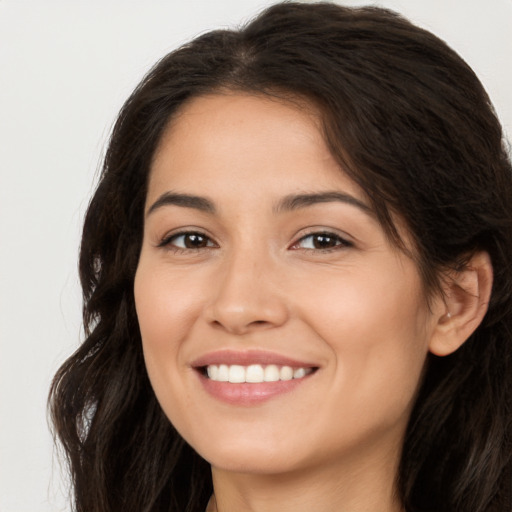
(321, 241)
(191, 240)
(324, 241)
(195, 241)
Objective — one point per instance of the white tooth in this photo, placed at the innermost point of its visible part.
(213, 371)
(236, 373)
(271, 373)
(299, 373)
(223, 374)
(254, 373)
(286, 373)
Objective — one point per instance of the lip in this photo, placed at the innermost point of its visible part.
(248, 394)
(248, 357)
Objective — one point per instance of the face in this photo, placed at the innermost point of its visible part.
(281, 329)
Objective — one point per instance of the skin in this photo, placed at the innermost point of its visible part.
(356, 311)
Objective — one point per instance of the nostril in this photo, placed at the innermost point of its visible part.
(240, 316)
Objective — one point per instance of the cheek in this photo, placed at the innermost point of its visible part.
(382, 306)
(376, 326)
(165, 314)
(164, 307)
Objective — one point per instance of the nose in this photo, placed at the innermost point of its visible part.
(247, 296)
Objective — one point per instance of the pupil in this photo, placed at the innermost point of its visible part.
(323, 241)
(194, 240)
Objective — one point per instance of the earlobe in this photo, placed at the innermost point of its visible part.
(466, 296)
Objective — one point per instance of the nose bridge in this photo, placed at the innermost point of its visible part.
(247, 295)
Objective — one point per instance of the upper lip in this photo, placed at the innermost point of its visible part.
(248, 357)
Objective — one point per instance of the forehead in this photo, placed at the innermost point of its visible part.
(246, 139)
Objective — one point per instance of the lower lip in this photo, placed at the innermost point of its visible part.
(249, 393)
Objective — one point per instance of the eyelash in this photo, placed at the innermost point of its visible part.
(339, 242)
(169, 241)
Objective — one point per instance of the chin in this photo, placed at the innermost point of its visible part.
(248, 455)
(254, 463)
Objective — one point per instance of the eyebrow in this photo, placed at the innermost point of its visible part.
(297, 201)
(288, 203)
(183, 200)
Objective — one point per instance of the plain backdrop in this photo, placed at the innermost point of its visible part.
(65, 69)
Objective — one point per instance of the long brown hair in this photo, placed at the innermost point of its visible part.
(409, 121)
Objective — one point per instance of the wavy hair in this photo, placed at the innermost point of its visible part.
(408, 120)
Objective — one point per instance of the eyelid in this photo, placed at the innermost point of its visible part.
(344, 240)
(165, 241)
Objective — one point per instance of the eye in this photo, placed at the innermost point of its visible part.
(189, 240)
(321, 241)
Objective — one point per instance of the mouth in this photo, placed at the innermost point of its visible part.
(254, 373)
(250, 377)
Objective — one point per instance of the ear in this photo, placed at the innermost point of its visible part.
(465, 302)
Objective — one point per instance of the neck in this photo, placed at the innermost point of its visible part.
(329, 488)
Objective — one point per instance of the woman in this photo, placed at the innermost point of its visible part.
(297, 279)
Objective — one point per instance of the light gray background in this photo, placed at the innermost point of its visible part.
(65, 69)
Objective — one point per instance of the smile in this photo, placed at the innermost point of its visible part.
(254, 373)
(251, 377)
